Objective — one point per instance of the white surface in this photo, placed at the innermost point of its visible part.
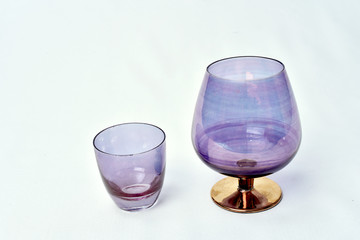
(71, 68)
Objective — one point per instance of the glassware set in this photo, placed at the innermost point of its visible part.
(246, 126)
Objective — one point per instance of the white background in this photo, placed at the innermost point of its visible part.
(70, 68)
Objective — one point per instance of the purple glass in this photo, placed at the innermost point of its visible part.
(131, 160)
(246, 122)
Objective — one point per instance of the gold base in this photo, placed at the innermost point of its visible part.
(246, 195)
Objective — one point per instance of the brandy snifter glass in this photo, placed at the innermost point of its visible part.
(246, 125)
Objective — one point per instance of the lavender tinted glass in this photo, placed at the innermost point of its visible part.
(246, 121)
(131, 160)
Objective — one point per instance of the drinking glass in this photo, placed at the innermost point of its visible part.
(131, 161)
(246, 126)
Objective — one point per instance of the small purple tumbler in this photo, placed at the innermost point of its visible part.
(131, 161)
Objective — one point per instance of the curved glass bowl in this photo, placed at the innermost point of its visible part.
(246, 122)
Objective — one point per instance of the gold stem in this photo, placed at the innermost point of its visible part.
(245, 184)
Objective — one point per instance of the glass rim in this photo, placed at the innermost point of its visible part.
(247, 56)
(130, 154)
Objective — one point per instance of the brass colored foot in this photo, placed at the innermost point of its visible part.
(246, 195)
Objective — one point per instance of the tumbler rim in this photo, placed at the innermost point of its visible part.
(131, 154)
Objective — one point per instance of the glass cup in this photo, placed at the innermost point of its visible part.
(131, 161)
(246, 126)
